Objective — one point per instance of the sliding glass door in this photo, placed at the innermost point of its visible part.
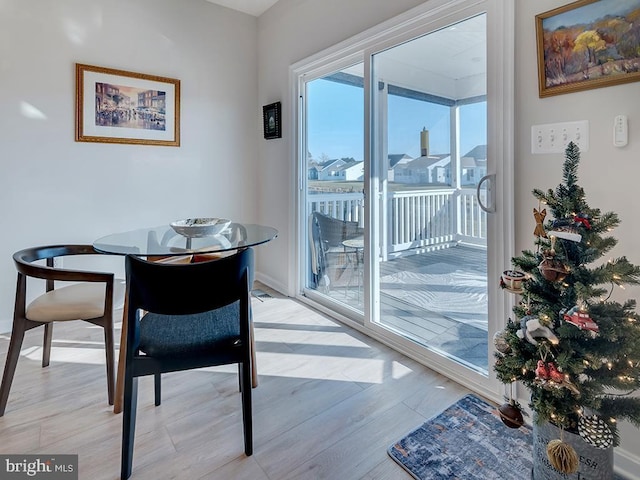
(430, 116)
(333, 164)
(405, 184)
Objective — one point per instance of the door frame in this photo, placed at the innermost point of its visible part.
(430, 16)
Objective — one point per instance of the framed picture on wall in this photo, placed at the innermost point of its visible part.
(271, 121)
(588, 44)
(117, 106)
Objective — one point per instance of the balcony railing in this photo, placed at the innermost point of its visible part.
(416, 219)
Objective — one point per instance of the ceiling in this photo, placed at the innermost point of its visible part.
(450, 62)
(252, 7)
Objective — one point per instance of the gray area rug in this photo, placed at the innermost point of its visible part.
(456, 293)
(467, 441)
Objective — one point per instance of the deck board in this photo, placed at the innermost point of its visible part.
(461, 341)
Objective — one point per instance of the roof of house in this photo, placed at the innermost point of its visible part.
(348, 165)
(426, 162)
(467, 162)
(327, 163)
(479, 152)
(395, 158)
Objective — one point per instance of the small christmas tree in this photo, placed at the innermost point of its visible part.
(575, 349)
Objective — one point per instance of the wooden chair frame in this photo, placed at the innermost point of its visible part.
(24, 261)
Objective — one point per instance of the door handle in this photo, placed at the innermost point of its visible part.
(491, 208)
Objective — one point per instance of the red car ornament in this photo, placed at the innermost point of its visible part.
(580, 319)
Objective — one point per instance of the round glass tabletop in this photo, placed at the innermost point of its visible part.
(165, 241)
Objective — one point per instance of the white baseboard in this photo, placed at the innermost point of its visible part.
(271, 283)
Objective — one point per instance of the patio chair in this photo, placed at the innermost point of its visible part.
(329, 257)
(182, 317)
(92, 297)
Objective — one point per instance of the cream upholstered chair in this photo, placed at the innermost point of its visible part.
(92, 297)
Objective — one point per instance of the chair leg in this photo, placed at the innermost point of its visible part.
(157, 382)
(110, 347)
(252, 342)
(46, 344)
(130, 404)
(247, 417)
(10, 366)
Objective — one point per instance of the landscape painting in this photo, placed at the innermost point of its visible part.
(588, 44)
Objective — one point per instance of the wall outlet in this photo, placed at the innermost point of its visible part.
(554, 137)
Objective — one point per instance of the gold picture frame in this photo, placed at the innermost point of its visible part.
(588, 44)
(118, 106)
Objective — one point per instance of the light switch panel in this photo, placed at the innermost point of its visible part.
(554, 137)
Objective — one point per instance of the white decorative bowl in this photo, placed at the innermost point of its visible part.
(200, 227)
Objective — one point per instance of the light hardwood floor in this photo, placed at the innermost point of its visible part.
(329, 403)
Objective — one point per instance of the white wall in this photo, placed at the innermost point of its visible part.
(53, 189)
(295, 29)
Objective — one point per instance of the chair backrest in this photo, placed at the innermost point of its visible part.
(332, 231)
(24, 261)
(185, 289)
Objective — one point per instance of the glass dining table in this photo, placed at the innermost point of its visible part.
(165, 243)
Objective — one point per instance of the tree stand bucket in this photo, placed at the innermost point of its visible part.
(595, 463)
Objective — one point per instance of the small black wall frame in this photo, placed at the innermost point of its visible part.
(271, 120)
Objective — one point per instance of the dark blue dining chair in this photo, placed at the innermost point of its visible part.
(186, 316)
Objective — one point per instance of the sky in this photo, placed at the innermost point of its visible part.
(335, 114)
(590, 12)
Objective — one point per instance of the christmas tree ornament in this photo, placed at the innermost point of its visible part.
(500, 342)
(580, 318)
(566, 229)
(582, 220)
(511, 415)
(595, 431)
(531, 328)
(570, 228)
(562, 456)
(542, 372)
(512, 280)
(539, 216)
(568, 384)
(551, 268)
(554, 374)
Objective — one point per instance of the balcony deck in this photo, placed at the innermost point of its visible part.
(461, 341)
